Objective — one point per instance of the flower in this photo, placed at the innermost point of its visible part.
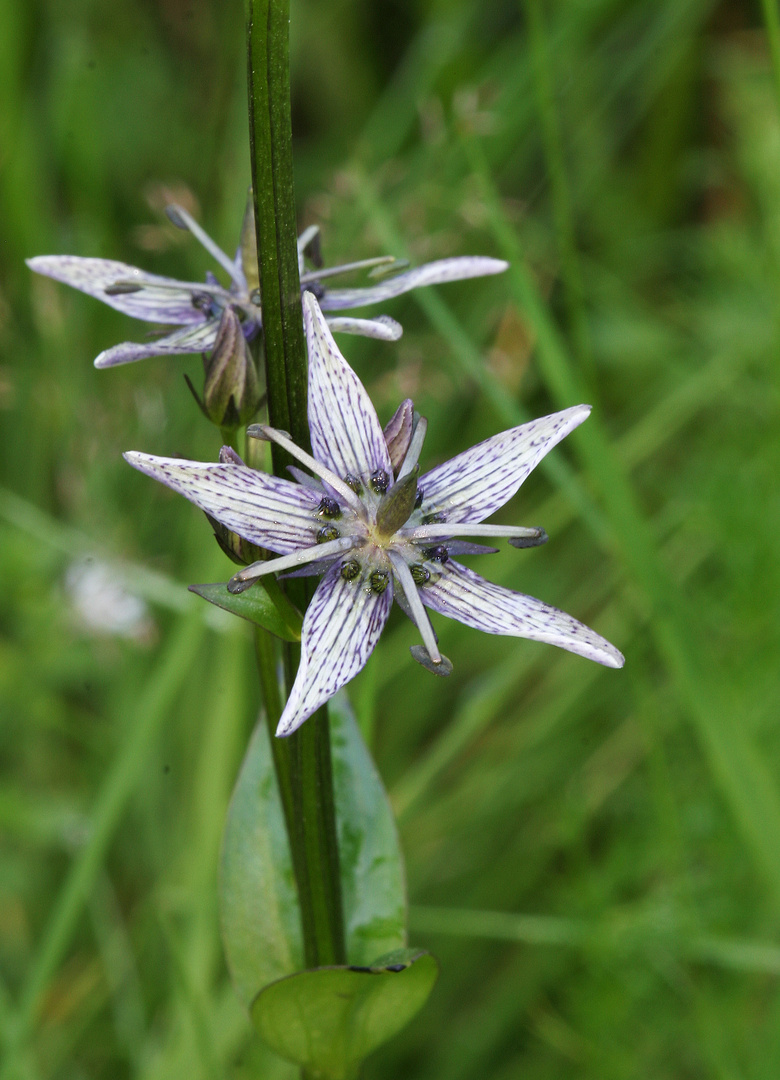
(197, 308)
(374, 530)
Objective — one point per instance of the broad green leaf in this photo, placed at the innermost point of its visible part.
(257, 605)
(329, 1019)
(260, 915)
(261, 923)
(372, 873)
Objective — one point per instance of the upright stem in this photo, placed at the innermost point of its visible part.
(303, 761)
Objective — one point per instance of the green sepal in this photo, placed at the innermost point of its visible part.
(328, 1020)
(263, 604)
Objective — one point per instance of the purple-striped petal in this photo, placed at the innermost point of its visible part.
(340, 629)
(463, 595)
(382, 328)
(435, 273)
(192, 339)
(345, 431)
(169, 304)
(266, 510)
(476, 483)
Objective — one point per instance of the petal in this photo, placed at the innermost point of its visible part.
(340, 629)
(435, 273)
(345, 432)
(383, 328)
(170, 304)
(192, 339)
(266, 510)
(461, 594)
(473, 485)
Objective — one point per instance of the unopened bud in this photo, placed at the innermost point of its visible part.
(248, 249)
(230, 391)
(398, 433)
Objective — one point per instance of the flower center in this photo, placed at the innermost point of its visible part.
(395, 507)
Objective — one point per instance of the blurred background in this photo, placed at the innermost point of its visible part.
(594, 855)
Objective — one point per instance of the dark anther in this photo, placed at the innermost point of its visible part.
(354, 483)
(350, 569)
(119, 288)
(419, 499)
(327, 533)
(437, 554)
(316, 288)
(379, 581)
(420, 576)
(329, 508)
(433, 519)
(380, 481)
(201, 302)
(396, 967)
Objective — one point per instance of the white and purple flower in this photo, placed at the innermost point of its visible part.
(363, 519)
(196, 308)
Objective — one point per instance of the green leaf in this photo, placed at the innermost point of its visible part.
(373, 885)
(259, 903)
(329, 1019)
(265, 605)
(261, 923)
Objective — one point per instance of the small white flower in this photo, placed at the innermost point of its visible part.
(197, 308)
(376, 532)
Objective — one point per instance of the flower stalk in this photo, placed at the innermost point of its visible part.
(303, 761)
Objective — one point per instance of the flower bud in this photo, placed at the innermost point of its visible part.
(230, 392)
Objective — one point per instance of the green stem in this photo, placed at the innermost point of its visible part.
(303, 762)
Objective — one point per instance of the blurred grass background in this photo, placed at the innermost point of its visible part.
(595, 856)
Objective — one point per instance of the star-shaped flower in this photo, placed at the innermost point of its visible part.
(363, 519)
(196, 309)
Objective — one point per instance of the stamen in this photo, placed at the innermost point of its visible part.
(379, 581)
(420, 615)
(415, 446)
(420, 574)
(196, 288)
(437, 554)
(350, 569)
(245, 577)
(454, 528)
(329, 508)
(379, 481)
(441, 667)
(263, 431)
(182, 220)
(346, 268)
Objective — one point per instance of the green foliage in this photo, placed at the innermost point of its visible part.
(329, 1019)
(260, 916)
(591, 854)
(275, 614)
